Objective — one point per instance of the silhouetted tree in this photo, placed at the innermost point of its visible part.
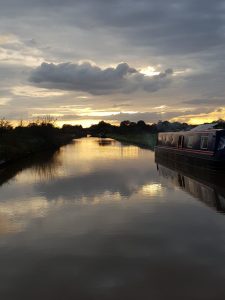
(5, 126)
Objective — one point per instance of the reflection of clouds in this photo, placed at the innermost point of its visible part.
(95, 232)
(83, 173)
(105, 197)
(7, 226)
(15, 215)
(145, 192)
(89, 170)
(85, 157)
(116, 249)
(123, 181)
(36, 206)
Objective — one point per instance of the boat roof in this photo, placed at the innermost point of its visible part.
(204, 127)
(192, 131)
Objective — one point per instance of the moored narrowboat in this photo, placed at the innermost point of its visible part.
(203, 148)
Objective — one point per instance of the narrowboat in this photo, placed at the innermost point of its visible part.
(204, 148)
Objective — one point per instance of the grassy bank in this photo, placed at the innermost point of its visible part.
(20, 142)
(146, 140)
(14, 147)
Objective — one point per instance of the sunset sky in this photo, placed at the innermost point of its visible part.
(82, 61)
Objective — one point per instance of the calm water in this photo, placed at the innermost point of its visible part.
(99, 220)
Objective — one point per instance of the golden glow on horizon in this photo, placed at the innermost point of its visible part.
(201, 118)
(89, 112)
(99, 113)
(84, 122)
(52, 115)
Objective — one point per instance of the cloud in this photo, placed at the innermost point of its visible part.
(15, 51)
(177, 26)
(207, 102)
(101, 28)
(148, 117)
(94, 80)
(183, 34)
(174, 27)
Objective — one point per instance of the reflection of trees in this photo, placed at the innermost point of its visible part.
(47, 168)
(205, 185)
(43, 164)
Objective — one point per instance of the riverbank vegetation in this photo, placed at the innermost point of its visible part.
(42, 134)
(139, 133)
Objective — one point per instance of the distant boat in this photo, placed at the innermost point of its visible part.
(205, 148)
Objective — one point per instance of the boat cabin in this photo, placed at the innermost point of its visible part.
(211, 142)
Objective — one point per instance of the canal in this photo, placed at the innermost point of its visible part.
(101, 220)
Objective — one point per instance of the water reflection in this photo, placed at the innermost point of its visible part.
(17, 207)
(153, 189)
(83, 172)
(96, 221)
(43, 165)
(105, 142)
(95, 171)
(205, 185)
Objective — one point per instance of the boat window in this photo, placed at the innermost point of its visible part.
(181, 141)
(190, 141)
(204, 142)
(221, 145)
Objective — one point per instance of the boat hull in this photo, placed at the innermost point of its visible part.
(203, 159)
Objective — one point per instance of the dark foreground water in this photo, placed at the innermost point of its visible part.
(99, 220)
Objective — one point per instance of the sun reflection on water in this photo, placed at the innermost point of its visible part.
(152, 189)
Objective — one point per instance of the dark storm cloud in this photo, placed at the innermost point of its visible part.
(94, 80)
(174, 27)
